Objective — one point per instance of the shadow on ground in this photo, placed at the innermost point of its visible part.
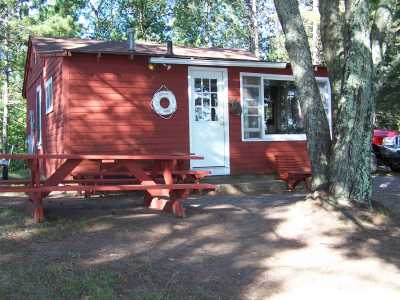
(215, 253)
(248, 247)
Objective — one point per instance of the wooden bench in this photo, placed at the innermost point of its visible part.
(105, 176)
(291, 171)
(181, 175)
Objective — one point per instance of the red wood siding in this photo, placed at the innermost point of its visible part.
(54, 133)
(53, 122)
(102, 105)
(109, 106)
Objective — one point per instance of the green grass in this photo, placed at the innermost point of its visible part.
(60, 229)
(35, 275)
(58, 281)
(21, 173)
(8, 212)
(146, 294)
(32, 279)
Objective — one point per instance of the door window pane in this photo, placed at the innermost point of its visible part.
(214, 116)
(198, 113)
(206, 99)
(214, 85)
(206, 85)
(197, 85)
(214, 99)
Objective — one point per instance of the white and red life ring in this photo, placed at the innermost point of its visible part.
(164, 111)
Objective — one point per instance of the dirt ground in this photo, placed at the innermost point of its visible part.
(275, 246)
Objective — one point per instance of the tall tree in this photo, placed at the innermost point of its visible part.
(149, 18)
(316, 123)
(18, 20)
(347, 48)
(254, 30)
(109, 20)
(211, 23)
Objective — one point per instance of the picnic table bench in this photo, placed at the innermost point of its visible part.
(161, 176)
(291, 171)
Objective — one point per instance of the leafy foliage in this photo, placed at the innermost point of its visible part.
(202, 23)
(387, 101)
(218, 23)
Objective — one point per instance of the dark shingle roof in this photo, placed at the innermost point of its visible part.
(48, 45)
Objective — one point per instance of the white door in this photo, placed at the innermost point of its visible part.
(208, 105)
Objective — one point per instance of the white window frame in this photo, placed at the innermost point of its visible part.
(278, 137)
(39, 124)
(49, 101)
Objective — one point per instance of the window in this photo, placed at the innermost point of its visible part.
(49, 95)
(282, 108)
(39, 115)
(252, 107)
(271, 107)
(31, 131)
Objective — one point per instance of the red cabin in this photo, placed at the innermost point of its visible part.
(89, 97)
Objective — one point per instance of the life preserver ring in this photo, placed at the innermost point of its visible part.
(164, 111)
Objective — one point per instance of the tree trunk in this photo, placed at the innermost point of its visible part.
(254, 38)
(347, 52)
(4, 135)
(6, 83)
(316, 123)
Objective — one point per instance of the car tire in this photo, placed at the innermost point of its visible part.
(395, 168)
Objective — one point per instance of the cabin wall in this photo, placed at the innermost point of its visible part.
(109, 111)
(33, 79)
(109, 106)
(52, 122)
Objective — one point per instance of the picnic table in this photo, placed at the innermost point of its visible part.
(163, 177)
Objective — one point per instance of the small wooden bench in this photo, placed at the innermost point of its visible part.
(291, 171)
(105, 176)
(180, 175)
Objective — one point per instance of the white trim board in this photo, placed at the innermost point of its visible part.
(217, 62)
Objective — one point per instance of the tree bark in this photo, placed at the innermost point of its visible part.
(5, 96)
(254, 38)
(4, 135)
(316, 123)
(347, 52)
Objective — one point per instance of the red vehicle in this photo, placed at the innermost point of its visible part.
(380, 134)
(386, 148)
